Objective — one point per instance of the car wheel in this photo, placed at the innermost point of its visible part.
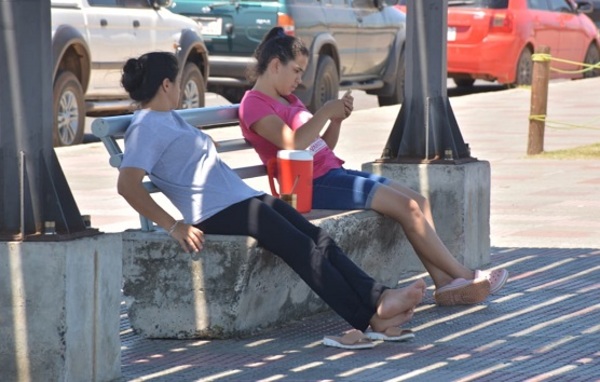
(524, 69)
(464, 82)
(69, 110)
(592, 57)
(327, 83)
(398, 95)
(192, 87)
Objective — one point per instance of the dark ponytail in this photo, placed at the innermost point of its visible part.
(143, 76)
(276, 44)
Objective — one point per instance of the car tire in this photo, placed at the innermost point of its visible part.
(192, 87)
(69, 110)
(327, 83)
(464, 82)
(524, 73)
(398, 95)
(592, 57)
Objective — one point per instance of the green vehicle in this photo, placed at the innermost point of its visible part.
(354, 44)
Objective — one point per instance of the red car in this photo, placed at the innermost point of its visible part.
(494, 39)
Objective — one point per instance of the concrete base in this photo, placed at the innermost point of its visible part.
(60, 302)
(235, 288)
(459, 195)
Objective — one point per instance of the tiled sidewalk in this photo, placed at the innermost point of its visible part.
(542, 326)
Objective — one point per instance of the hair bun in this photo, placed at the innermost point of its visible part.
(133, 65)
(133, 75)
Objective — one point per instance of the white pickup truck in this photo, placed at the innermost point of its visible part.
(92, 40)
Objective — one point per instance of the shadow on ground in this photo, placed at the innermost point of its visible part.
(542, 326)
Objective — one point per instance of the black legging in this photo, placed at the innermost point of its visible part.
(307, 249)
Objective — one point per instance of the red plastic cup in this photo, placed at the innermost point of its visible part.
(293, 170)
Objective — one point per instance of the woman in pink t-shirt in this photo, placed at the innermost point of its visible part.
(272, 119)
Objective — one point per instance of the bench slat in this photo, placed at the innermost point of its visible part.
(116, 126)
(233, 145)
(211, 116)
(150, 187)
(251, 171)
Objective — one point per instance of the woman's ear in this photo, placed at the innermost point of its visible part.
(166, 83)
(275, 64)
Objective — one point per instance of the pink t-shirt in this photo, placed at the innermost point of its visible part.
(256, 106)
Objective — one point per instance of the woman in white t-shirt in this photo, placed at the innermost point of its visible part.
(182, 161)
(272, 118)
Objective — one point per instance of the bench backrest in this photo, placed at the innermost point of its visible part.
(109, 129)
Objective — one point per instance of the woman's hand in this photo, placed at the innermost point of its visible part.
(343, 107)
(348, 103)
(189, 237)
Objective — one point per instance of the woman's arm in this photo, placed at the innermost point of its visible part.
(275, 130)
(332, 133)
(129, 185)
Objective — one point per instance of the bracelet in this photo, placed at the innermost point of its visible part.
(172, 229)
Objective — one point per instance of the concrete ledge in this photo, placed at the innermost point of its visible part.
(60, 312)
(236, 288)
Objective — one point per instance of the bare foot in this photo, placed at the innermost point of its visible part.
(397, 301)
(379, 324)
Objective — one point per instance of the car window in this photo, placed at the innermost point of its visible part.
(136, 3)
(491, 4)
(103, 3)
(560, 6)
(538, 4)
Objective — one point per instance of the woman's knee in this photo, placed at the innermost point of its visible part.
(396, 204)
(412, 218)
(409, 192)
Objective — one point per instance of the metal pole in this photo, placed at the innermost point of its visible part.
(426, 129)
(33, 188)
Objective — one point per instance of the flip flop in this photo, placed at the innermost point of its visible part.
(353, 339)
(463, 292)
(391, 334)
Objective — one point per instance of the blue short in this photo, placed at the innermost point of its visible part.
(342, 189)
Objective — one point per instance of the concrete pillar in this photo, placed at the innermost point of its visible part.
(459, 195)
(60, 310)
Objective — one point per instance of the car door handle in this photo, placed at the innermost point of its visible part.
(103, 22)
(136, 23)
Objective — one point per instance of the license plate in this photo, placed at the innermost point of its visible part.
(211, 26)
(451, 34)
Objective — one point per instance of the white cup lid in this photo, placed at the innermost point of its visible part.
(295, 155)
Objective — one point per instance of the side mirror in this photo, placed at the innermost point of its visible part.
(156, 4)
(584, 6)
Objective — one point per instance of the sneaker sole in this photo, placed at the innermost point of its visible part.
(468, 295)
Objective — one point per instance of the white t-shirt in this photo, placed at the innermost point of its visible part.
(183, 163)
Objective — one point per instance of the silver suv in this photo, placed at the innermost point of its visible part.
(92, 39)
(354, 44)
